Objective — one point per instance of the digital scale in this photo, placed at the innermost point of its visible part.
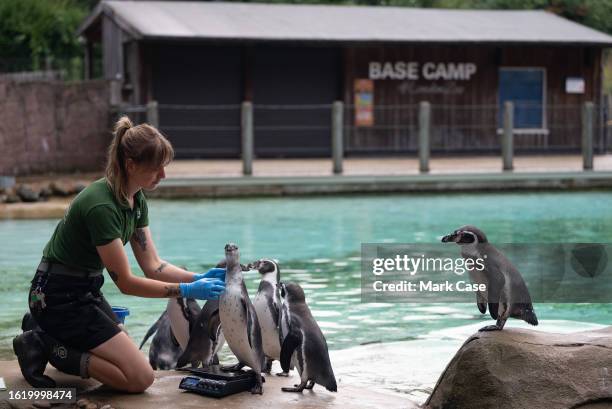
(214, 382)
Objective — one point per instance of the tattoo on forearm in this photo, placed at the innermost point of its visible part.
(160, 268)
(173, 291)
(141, 239)
(113, 275)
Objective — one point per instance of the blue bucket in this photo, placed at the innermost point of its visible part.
(121, 313)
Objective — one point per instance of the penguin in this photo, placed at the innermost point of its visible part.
(267, 305)
(205, 339)
(239, 320)
(304, 339)
(507, 294)
(177, 325)
(171, 331)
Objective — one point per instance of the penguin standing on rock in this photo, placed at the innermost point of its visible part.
(506, 294)
(304, 340)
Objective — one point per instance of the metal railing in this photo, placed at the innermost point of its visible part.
(420, 128)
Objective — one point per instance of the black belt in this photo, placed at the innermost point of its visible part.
(62, 269)
(71, 300)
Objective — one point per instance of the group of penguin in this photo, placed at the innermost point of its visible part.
(277, 325)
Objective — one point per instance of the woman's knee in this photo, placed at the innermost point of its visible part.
(140, 381)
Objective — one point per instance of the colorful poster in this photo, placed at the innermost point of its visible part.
(364, 102)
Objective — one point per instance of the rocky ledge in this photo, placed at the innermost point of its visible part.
(528, 369)
(41, 191)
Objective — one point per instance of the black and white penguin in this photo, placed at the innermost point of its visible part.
(205, 339)
(303, 341)
(239, 319)
(172, 332)
(267, 304)
(507, 294)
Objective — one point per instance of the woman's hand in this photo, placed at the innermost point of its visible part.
(218, 273)
(203, 289)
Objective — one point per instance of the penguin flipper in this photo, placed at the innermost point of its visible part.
(249, 327)
(184, 358)
(275, 311)
(190, 351)
(291, 342)
(481, 302)
(493, 307)
(152, 330)
(494, 290)
(214, 326)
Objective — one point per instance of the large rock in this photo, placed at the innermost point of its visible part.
(27, 193)
(528, 369)
(62, 188)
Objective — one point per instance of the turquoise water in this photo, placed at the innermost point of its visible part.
(317, 242)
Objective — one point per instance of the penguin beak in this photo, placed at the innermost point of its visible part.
(450, 238)
(255, 265)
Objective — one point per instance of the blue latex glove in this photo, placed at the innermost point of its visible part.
(212, 273)
(203, 289)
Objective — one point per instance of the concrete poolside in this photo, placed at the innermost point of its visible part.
(278, 177)
(164, 393)
(391, 375)
(381, 166)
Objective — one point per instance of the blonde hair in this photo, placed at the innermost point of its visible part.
(143, 144)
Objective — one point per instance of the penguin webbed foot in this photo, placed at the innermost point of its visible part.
(232, 368)
(490, 328)
(285, 374)
(297, 388)
(309, 385)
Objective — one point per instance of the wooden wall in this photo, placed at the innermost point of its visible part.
(465, 112)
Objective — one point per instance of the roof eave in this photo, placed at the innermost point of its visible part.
(103, 9)
(601, 44)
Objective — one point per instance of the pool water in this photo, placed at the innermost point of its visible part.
(317, 241)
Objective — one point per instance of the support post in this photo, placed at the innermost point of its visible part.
(247, 138)
(153, 114)
(587, 135)
(337, 136)
(424, 135)
(87, 61)
(507, 137)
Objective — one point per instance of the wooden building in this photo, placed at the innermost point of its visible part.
(201, 60)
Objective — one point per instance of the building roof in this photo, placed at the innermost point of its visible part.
(323, 23)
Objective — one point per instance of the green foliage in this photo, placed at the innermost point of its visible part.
(35, 34)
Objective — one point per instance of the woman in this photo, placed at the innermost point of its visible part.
(79, 334)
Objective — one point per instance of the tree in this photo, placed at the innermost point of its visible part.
(35, 34)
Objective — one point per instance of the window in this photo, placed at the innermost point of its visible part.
(525, 88)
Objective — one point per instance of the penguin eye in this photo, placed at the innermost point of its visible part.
(468, 237)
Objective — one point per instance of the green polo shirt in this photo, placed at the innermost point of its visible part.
(94, 218)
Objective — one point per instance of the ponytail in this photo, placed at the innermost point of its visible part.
(143, 144)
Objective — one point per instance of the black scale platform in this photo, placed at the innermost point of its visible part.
(214, 382)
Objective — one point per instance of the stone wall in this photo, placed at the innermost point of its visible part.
(53, 126)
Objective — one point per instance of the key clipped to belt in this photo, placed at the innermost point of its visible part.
(37, 299)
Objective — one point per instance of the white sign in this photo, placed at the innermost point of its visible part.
(574, 85)
(433, 71)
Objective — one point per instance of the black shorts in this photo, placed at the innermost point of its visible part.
(76, 312)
